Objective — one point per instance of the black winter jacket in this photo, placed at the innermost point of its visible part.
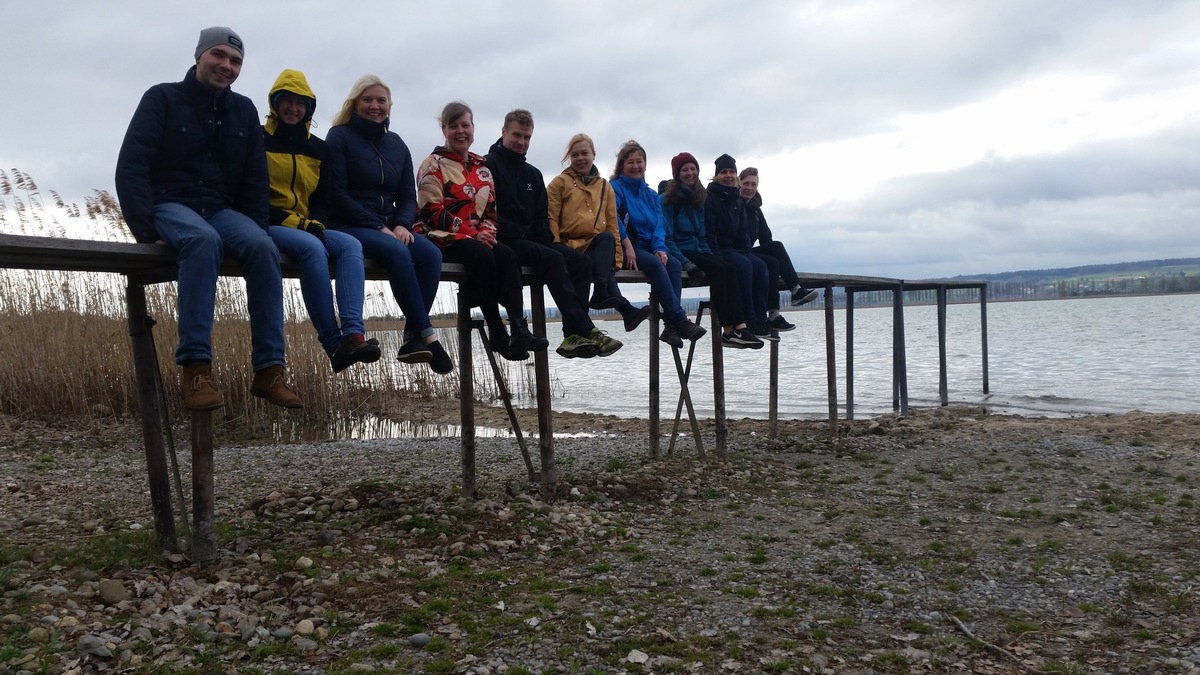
(759, 231)
(521, 209)
(725, 220)
(370, 172)
(190, 145)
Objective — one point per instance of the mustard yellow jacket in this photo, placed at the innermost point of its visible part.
(580, 210)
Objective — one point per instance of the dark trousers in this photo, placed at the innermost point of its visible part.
(564, 271)
(779, 266)
(603, 253)
(724, 288)
(493, 277)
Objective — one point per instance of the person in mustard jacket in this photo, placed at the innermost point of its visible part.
(297, 202)
(582, 209)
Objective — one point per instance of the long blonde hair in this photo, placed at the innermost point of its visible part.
(364, 83)
(566, 158)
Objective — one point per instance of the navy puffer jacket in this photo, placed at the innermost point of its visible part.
(370, 172)
(190, 145)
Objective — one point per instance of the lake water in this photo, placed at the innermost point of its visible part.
(1046, 358)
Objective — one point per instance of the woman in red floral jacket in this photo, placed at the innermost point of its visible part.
(456, 209)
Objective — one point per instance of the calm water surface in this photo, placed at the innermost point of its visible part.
(1056, 357)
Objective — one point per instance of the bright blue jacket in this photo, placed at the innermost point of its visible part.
(638, 208)
(684, 225)
(371, 179)
(190, 145)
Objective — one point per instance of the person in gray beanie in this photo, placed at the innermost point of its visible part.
(192, 173)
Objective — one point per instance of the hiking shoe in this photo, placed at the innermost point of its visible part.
(605, 302)
(802, 295)
(523, 340)
(500, 343)
(670, 336)
(351, 350)
(414, 351)
(608, 346)
(741, 339)
(271, 383)
(197, 387)
(634, 317)
(577, 347)
(690, 331)
(439, 360)
(781, 324)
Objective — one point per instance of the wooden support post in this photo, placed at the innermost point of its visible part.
(830, 360)
(899, 363)
(204, 504)
(773, 393)
(718, 366)
(983, 334)
(943, 387)
(655, 422)
(145, 368)
(541, 370)
(849, 354)
(466, 392)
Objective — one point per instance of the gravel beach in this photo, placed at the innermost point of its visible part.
(948, 541)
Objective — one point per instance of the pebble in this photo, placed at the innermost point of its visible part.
(90, 644)
(418, 639)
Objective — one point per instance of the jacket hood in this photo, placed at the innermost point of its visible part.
(293, 82)
(755, 201)
(508, 155)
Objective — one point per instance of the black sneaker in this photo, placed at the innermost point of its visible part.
(690, 331)
(764, 332)
(802, 295)
(741, 339)
(440, 361)
(414, 351)
(500, 343)
(747, 335)
(606, 302)
(577, 347)
(351, 350)
(781, 324)
(634, 317)
(671, 337)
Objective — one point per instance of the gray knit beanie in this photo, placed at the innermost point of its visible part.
(218, 35)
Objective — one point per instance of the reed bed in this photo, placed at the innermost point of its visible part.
(65, 348)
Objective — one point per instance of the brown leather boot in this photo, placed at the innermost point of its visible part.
(198, 390)
(271, 384)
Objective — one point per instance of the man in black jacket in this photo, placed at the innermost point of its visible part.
(523, 224)
(192, 173)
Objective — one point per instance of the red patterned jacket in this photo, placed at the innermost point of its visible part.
(455, 199)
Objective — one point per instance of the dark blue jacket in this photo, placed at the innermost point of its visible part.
(371, 180)
(725, 219)
(685, 225)
(756, 222)
(521, 209)
(192, 146)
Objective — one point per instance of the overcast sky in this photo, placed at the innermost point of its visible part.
(904, 139)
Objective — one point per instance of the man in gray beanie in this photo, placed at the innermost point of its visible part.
(192, 173)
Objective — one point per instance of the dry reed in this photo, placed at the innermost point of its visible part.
(65, 348)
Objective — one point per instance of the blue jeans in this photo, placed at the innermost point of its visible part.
(314, 257)
(752, 275)
(201, 244)
(666, 283)
(414, 272)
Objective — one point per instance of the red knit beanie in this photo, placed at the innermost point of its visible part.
(679, 160)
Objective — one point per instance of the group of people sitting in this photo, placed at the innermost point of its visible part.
(197, 172)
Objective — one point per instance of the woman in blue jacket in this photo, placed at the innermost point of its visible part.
(374, 200)
(643, 236)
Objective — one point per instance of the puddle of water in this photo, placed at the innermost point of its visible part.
(374, 428)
